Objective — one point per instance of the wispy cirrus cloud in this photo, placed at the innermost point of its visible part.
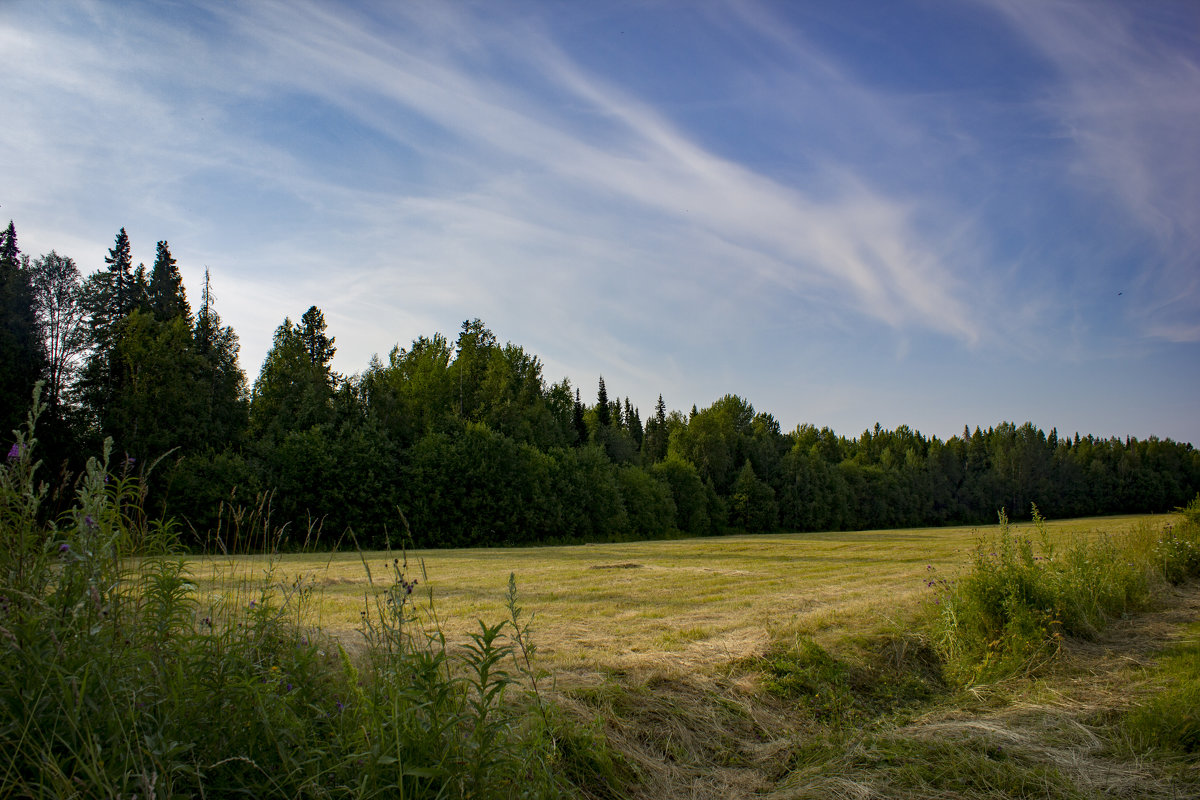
(859, 243)
(745, 199)
(1128, 96)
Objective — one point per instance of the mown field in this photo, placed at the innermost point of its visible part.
(690, 603)
(797, 665)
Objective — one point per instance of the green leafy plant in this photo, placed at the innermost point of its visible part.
(117, 678)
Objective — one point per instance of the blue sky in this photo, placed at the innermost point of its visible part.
(926, 213)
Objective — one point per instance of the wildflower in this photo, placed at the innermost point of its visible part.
(252, 604)
(289, 687)
(340, 707)
(14, 452)
(64, 548)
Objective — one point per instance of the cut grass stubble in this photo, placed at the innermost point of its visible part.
(686, 605)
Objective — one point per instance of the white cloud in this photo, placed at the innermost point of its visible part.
(1129, 97)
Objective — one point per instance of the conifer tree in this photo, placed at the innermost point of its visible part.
(319, 347)
(654, 441)
(222, 382)
(21, 355)
(295, 387)
(633, 422)
(167, 296)
(108, 298)
(121, 277)
(577, 422)
(603, 411)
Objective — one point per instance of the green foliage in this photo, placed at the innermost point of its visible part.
(752, 504)
(116, 679)
(885, 675)
(56, 290)
(689, 494)
(1009, 611)
(294, 389)
(22, 356)
(168, 299)
(1177, 552)
(1170, 719)
(159, 382)
(648, 501)
(588, 496)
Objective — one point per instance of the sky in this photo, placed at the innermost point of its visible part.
(933, 213)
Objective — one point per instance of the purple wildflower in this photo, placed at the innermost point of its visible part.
(89, 522)
(64, 548)
(14, 452)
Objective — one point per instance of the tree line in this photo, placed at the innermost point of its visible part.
(469, 444)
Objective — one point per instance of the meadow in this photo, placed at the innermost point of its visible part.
(1053, 659)
(807, 665)
(683, 604)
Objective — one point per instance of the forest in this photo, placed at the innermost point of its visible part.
(466, 443)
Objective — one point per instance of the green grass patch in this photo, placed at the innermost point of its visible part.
(872, 678)
(1170, 719)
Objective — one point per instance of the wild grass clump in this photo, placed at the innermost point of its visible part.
(117, 680)
(1022, 594)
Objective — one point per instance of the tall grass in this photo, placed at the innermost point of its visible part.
(1008, 612)
(117, 680)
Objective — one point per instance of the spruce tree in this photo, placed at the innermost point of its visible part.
(654, 445)
(603, 411)
(319, 347)
(167, 296)
(633, 422)
(108, 297)
(21, 355)
(295, 387)
(577, 422)
(121, 278)
(222, 382)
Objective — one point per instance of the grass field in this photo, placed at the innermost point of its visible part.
(691, 604)
(786, 666)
